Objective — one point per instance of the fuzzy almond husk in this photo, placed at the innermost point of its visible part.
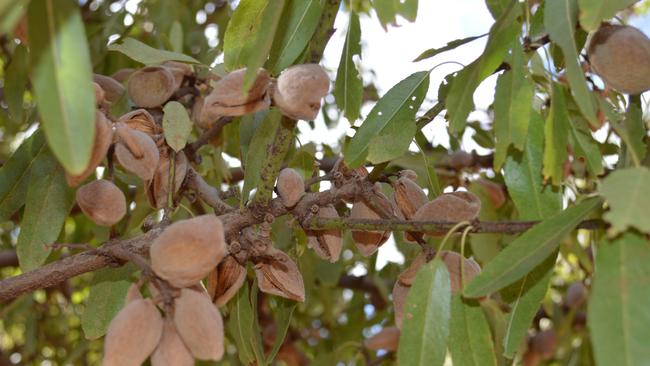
(171, 351)
(122, 75)
(619, 54)
(141, 120)
(229, 99)
(199, 325)
(280, 276)
(387, 339)
(136, 152)
(367, 242)
(103, 140)
(225, 280)
(452, 207)
(179, 70)
(133, 293)
(102, 202)
(99, 94)
(299, 90)
(188, 249)
(291, 187)
(409, 197)
(133, 334)
(494, 191)
(113, 89)
(158, 188)
(327, 244)
(151, 86)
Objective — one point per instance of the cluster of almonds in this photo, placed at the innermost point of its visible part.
(619, 54)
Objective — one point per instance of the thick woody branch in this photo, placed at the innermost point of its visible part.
(273, 163)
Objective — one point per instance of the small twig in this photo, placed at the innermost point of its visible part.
(59, 246)
(215, 129)
(206, 192)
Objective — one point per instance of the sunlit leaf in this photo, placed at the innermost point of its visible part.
(148, 55)
(448, 47)
(628, 194)
(585, 147)
(348, 88)
(177, 125)
(556, 135)
(470, 340)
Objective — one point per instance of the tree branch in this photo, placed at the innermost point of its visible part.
(276, 153)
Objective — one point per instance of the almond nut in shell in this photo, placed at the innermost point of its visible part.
(326, 243)
(136, 152)
(199, 325)
(367, 242)
(299, 90)
(171, 350)
(102, 202)
(291, 187)
(279, 275)
(103, 140)
(451, 207)
(151, 86)
(225, 280)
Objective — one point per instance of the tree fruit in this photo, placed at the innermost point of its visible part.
(199, 324)
(225, 280)
(158, 188)
(103, 140)
(619, 54)
(544, 344)
(450, 207)
(113, 89)
(133, 334)
(576, 295)
(299, 90)
(387, 339)
(188, 249)
(151, 86)
(280, 276)
(102, 202)
(171, 351)
(136, 152)
(141, 120)
(409, 196)
(367, 242)
(291, 187)
(326, 243)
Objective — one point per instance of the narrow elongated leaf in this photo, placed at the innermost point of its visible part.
(148, 55)
(585, 147)
(176, 37)
(107, 294)
(427, 313)
(386, 11)
(460, 100)
(348, 88)
(529, 250)
(249, 35)
(619, 321)
(627, 192)
(408, 9)
(14, 174)
(632, 132)
(592, 12)
(556, 137)
(523, 177)
(241, 325)
(524, 297)
(470, 340)
(394, 110)
(560, 18)
(300, 21)
(497, 7)
(177, 125)
(512, 106)
(448, 47)
(16, 83)
(258, 151)
(48, 202)
(61, 75)
(282, 320)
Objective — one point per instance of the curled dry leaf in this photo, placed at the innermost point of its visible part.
(367, 242)
(136, 152)
(291, 187)
(451, 207)
(141, 120)
(188, 249)
(619, 54)
(158, 188)
(299, 90)
(387, 339)
(279, 275)
(229, 99)
(102, 202)
(133, 334)
(151, 86)
(171, 351)
(199, 324)
(113, 89)
(103, 140)
(326, 243)
(225, 280)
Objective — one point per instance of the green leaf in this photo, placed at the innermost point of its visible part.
(258, 151)
(394, 110)
(513, 103)
(556, 137)
(242, 326)
(560, 17)
(16, 79)
(529, 250)
(61, 75)
(250, 34)
(585, 147)
(11, 12)
(176, 37)
(391, 142)
(48, 202)
(348, 88)
(300, 20)
(386, 11)
(177, 125)
(632, 132)
(282, 321)
(14, 174)
(448, 47)
(470, 339)
(592, 12)
(618, 306)
(627, 192)
(459, 99)
(107, 294)
(524, 297)
(427, 313)
(408, 9)
(148, 55)
(497, 7)
(523, 177)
